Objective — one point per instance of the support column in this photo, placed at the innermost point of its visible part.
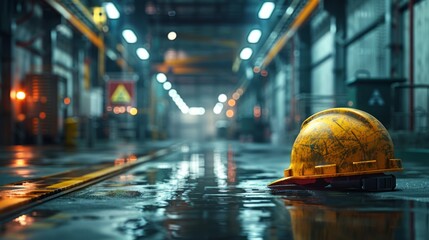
(7, 124)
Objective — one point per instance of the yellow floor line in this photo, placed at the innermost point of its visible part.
(17, 195)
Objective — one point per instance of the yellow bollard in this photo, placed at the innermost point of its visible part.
(71, 132)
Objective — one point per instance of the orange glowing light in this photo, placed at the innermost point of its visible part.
(230, 113)
(67, 101)
(24, 220)
(19, 163)
(132, 158)
(231, 102)
(236, 96)
(116, 110)
(42, 115)
(119, 161)
(21, 117)
(20, 95)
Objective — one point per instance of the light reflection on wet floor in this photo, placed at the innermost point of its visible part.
(218, 191)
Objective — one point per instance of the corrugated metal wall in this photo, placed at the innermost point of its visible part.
(421, 61)
(367, 54)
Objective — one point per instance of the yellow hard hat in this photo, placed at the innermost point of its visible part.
(338, 146)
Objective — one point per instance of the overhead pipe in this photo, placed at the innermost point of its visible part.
(299, 20)
(76, 22)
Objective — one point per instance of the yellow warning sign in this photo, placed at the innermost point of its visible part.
(121, 95)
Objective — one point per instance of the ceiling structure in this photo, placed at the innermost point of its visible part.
(210, 34)
(209, 37)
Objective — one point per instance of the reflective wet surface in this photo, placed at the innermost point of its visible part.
(218, 191)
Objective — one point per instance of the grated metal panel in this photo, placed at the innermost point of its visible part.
(43, 106)
(360, 14)
(368, 55)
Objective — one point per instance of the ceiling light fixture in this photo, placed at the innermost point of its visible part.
(218, 108)
(172, 93)
(289, 10)
(129, 36)
(172, 36)
(142, 53)
(197, 111)
(266, 10)
(246, 53)
(222, 98)
(111, 11)
(167, 86)
(254, 36)
(161, 77)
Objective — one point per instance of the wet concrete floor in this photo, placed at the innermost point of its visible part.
(218, 191)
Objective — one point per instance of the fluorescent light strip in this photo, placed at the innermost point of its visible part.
(266, 10)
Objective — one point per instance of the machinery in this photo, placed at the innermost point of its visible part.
(343, 148)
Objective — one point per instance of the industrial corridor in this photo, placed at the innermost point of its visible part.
(214, 119)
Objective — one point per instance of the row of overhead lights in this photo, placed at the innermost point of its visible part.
(128, 34)
(222, 99)
(246, 53)
(255, 35)
(177, 99)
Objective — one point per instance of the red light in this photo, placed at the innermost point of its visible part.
(42, 115)
(256, 69)
(264, 73)
(67, 101)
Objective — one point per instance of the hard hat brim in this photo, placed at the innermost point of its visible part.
(315, 179)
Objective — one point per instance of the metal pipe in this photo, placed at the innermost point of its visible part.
(411, 63)
(292, 84)
(95, 38)
(299, 20)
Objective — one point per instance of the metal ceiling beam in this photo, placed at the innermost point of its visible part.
(198, 21)
(199, 59)
(79, 24)
(299, 20)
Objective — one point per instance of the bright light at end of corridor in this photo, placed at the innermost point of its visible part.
(167, 86)
(266, 10)
(246, 53)
(129, 36)
(172, 93)
(218, 108)
(197, 111)
(111, 10)
(222, 98)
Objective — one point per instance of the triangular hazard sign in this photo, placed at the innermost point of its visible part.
(376, 98)
(121, 95)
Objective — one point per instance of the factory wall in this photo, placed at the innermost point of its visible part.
(363, 40)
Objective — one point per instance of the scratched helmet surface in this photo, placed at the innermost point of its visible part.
(340, 142)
